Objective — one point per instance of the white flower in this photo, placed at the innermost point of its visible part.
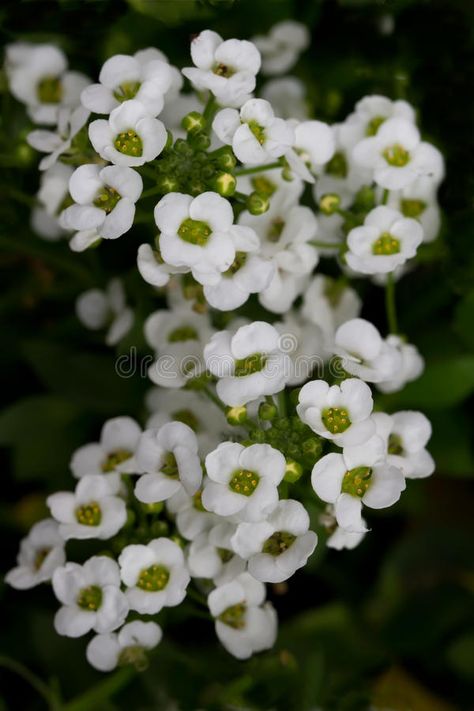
(142, 77)
(287, 96)
(130, 136)
(210, 555)
(254, 133)
(98, 309)
(360, 475)
(227, 69)
(282, 46)
(384, 242)
(329, 303)
(338, 412)
(107, 651)
(277, 547)
(418, 201)
(364, 353)
(91, 597)
(113, 454)
(59, 141)
(169, 459)
(105, 200)
(304, 344)
(243, 480)
(406, 435)
(339, 538)
(195, 233)
(244, 624)
(93, 511)
(192, 519)
(38, 77)
(372, 111)
(41, 552)
(248, 364)
(155, 575)
(285, 231)
(248, 274)
(314, 146)
(410, 368)
(396, 154)
(51, 197)
(152, 267)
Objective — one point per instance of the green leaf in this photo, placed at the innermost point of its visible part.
(464, 320)
(170, 12)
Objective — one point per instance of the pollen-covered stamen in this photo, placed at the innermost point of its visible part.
(114, 459)
(107, 199)
(188, 418)
(244, 482)
(234, 616)
(40, 557)
(396, 155)
(127, 90)
(337, 166)
(195, 232)
(49, 90)
(374, 125)
(129, 143)
(258, 131)
(395, 445)
(134, 656)
(154, 578)
(252, 364)
(386, 245)
(356, 481)
(263, 185)
(276, 228)
(336, 419)
(183, 333)
(223, 70)
(412, 208)
(90, 598)
(170, 466)
(89, 514)
(278, 543)
(238, 263)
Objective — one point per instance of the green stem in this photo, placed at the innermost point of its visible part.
(196, 596)
(210, 109)
(324, 245)
(213, 397)
(43, 689)
(282, 403)
(99, 695)
(151, 191)
(390, 306)
(241, 197)
(258, 168)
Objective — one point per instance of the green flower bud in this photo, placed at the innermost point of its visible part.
(225, 158)
(364, 199)
(267, 411)
(224, 184)
(236, 415)
(183, 148)
(167, 184)
(329, 203)
(293, 471)
(194, 122)
(159, 528)
(200, 141)
(257, 204)
(153, 508)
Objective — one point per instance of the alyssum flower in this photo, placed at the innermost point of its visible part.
(41, 552)
(113, 454)
(129, 646)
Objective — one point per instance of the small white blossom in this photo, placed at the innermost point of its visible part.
(92, 511)
(411, 366)
(329, 303)
(41, 552)
(51, 197)
(191, 517)
(339, 538)
(155, 575)
(91, 597)
(255, 134)
(130, 137)
(364, 353)
(244, 624)
(248, 364)
(153, 269)
(338, 412)
(226, 68)
(281, 47)
(371, 112)
(98, 309)
(418, 201)
(304, 344)
(107, 651)
(314, 146)
(210, 555)
(277, 547)
(405, 435)
(113, 454)
(59, 141)
(243, 480)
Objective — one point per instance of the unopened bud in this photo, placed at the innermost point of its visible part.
(236, 415)
(225, 158)
(257, 204)
(293, 471)
(224, 184)
(153, 508)
(329, 203)
(200, 141)
(267, 411)
(194, 122)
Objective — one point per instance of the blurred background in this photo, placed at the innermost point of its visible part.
(387, 626)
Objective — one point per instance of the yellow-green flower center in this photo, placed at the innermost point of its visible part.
(89, 514)
(170, 466)
(396, 155)
(252, 364)
(49, 90)
(107, 199)
(238, 263)
(134, 656)
(90, 598)
(374, 125)
(223, 70)
(40, 557)
(395, 445)
(386, 245)
(186, 417)
(278, 543)
(258, 131)
(263, 185)
(275, 229)
(337, 166)
(336, 419)
(356, 481)
(195, 232)
(244, 482)
(234, 616)
(154, 578)
(129, 143)
(183, 333)
(127, 90)
(114, 459)
(412, 208)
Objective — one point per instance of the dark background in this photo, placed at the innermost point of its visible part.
(391, 623)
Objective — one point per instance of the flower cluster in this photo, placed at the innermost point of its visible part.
(262, 439)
